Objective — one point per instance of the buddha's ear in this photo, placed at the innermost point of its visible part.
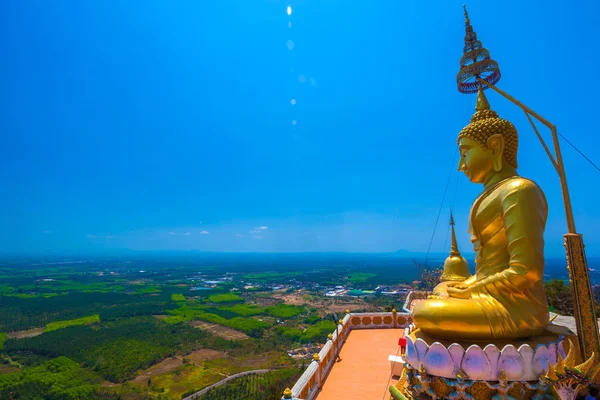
(496, 144)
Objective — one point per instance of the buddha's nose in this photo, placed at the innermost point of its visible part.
(461, 165)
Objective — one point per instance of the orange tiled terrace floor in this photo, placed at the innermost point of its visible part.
(364, 372)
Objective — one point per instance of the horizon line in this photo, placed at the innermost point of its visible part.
(399, 253)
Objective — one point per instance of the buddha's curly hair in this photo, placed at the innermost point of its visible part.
(486, 123)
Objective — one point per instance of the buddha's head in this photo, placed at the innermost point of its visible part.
(487, 144)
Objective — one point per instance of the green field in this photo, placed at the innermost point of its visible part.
(225, 298)
(177, 297)
(176, 383)
(52, 326)
(147, 290)
(360, 277)
(246, 310)
(285, 311)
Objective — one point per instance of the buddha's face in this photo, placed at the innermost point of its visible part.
(475, 160)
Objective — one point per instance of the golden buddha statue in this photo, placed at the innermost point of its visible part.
(505, 299)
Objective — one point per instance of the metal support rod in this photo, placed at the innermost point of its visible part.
(517, 102)
(563, 182)
(542, 141)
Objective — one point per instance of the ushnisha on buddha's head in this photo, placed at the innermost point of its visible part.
(488, 145)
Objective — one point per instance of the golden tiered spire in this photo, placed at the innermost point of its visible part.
(454, 251)
(456, 267)
(475, 62)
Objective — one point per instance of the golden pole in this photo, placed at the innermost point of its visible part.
(584, 306)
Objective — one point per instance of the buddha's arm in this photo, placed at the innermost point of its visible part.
(524, 212)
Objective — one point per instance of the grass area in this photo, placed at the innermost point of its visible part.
(183, 379)
(3, 336)
(246, 310)
(225, 298)
(147, 290)
(184, 313)
(318, 332)
(285, 311)
(247, 325)
(177, 297)
(360, 277)
(53, 326)
(290, 333)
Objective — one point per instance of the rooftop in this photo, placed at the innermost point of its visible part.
(364, 359)
(567, 321)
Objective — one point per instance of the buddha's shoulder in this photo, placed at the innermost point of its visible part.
(521, 187)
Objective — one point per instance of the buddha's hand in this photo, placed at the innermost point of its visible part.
(459, 291)
(439, 291)
(457, 285)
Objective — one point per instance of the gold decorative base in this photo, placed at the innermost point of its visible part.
(442, 388)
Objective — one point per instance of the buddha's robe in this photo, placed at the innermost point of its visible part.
(507, 297)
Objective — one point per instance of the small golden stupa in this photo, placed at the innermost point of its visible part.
(456, 268)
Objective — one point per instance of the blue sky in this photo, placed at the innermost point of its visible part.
(150, 125)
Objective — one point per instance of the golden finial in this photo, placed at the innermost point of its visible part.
(287, 393)
(482, 103)
(347, 311)
(316, 357)
(330, 336)
(394, 310)
(454, 251)
(475, 62)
